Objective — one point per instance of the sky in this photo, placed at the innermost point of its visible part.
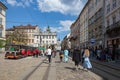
(58, 14)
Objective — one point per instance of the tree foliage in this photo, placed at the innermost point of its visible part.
(2, 43)
(17, 37)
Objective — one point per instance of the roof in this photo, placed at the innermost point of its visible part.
(25, 27)
(3, 5)
(10, 29)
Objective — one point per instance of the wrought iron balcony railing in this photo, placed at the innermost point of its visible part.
(113, 26)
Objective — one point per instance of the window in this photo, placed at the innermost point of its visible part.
(52, 37)
(96, 2)
(37, 37)
(0, 32)
(108, 8)
(49, 37)
(0, 20)
(32, 40)
(43, 37)
(114, 3)
(52, 41)
(114, 19)
(100, 12)
(119, 12)
(107, 22)
(46, 37)
(0, 10)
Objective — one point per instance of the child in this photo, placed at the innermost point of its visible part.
(61, 55)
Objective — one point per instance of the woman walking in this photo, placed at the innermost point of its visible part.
(86, 63)
(76, 57)
(66, 55)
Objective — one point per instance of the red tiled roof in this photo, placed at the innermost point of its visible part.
(25, 27)
(10, 29)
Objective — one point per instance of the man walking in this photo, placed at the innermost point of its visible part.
(49, 53)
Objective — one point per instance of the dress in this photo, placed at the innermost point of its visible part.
(86, 63)
(66, 55)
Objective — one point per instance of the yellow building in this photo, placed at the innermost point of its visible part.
(27, 33)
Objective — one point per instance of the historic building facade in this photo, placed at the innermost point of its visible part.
(75, 33)
(96, 23)
(84, 27)
(45, 39)
(2, 20)
(112, 23)
(66, 43)
(27, 33)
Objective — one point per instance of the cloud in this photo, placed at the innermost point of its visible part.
(12, 2)
(72, 7)
(65, 26)
(22, 3)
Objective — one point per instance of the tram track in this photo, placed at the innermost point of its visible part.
(40, 72)
(107, 72)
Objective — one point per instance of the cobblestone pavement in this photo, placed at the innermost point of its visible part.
(66, 71)
(15, 69)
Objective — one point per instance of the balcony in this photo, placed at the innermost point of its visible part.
(113, 30)
(115, 26)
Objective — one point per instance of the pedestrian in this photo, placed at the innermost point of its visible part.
(49, 53)
(37, 52)
(61, 55)
(29, 52)
(66, 55)
(86, 63)
(82, 58)
(76, 57)
(34, 53)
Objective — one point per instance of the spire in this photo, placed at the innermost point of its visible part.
(48, 29)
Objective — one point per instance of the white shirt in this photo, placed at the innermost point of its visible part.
(49, 52)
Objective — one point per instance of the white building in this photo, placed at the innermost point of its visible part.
(45, 39)
(2, 20)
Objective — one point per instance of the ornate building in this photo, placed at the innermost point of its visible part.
(84, 27)
(2, 25)
(23, 32)
(96, 23)
(46, 38)
(75, 33)
(2, 20)
(112, 23)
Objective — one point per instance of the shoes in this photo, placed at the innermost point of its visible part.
(85, 69)
(76, 68)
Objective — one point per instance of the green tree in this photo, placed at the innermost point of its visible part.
(2, 43)
(17, 37)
